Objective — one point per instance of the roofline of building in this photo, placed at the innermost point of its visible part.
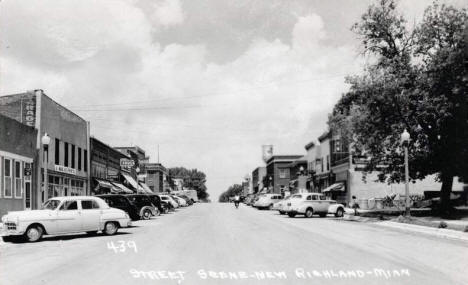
(309, 145)
(324, 136)
(284, 157)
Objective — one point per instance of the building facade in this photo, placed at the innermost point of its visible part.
(156, 175)
(67, 157)
(278, 173)
(18, 159)
(323, 176)
(257, 179)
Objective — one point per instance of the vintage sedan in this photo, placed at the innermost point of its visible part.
(309, 204)
(63, 215)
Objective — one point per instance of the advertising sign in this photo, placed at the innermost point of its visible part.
(65, 169)
(28, 111)
(126, 163)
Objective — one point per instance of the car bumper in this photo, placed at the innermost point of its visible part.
(6, 232)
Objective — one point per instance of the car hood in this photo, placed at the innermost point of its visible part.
(26, 215)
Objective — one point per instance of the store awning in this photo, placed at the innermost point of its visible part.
(122, 188)
(145, 187)
(131, 181)
(104, 184)
(335, 187)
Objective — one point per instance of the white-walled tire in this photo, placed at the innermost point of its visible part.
(34, 233)
(339, 213)
(110, 228)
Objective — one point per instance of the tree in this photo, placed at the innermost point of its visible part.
(192, 179)
(233, 190)
(419, 83)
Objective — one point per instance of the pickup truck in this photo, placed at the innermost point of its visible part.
(309, 204)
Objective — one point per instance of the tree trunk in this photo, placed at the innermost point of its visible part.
(447, 182)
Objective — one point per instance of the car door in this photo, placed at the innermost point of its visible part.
(320, 204)
(68, 217)
(91, 215)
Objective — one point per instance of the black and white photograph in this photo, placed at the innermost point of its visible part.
(234, 142)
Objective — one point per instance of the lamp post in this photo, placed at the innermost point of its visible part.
(405, 138)
(45, 142)
(271, 183)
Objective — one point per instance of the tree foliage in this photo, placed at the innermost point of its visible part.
(192, 179)
(418, 82)
(233, 190)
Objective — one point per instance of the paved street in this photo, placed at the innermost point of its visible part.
(243, 246)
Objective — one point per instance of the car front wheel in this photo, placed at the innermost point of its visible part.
(34, 233)
(110, 228)
(339, 213)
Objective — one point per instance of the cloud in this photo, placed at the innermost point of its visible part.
(168, 12)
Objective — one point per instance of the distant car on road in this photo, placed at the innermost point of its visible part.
(266, 201)
(168, 199)
(123, 203)
(309, 204)
(180, 201)
(64, 215)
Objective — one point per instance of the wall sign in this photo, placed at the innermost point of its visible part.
(28, 107)
(65, 169)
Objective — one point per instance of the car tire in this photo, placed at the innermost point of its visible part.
(270, 207)
(281, 212)
(34, 233)
(110, 228)
(291, 215)
(157, 212)
(92, 233)
(339, 213)
(146, 214)
(309, 213)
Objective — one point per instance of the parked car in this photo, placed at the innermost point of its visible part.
(156, 201)
(146, 209)
(266, 201)
(169, 199)
(64, 215)
(309, 204)
(187, 199)
(180, 201)
(121, 202)
(280, 205)
(190, 193)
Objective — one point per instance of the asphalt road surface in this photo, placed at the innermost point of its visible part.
(218, 244)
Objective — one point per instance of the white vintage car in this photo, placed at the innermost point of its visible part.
(63, 215)
(280, 205)
(266, 201)
(309, 204)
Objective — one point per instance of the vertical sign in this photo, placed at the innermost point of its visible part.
(28, 110)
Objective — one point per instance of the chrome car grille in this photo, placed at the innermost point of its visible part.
(10, 226)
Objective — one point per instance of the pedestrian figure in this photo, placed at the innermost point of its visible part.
(355, 205)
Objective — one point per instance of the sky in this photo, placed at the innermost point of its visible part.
(208, 81)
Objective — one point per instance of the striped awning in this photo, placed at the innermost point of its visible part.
(338, 187)
(122, 188)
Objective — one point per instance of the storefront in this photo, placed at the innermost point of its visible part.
(63, 183)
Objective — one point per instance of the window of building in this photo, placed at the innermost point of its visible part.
(85, 160)
(79, 158)
(73, 156)
(57, 151)
(18, 180)
(65, 151)
(283, 173)
(328, 162)
(8, 180)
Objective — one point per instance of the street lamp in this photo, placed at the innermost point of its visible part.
(405, 138)
(45, 142)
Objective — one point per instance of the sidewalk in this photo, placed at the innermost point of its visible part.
(454, 229)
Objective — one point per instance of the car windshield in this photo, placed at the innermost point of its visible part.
(51, 204)
(297, 196)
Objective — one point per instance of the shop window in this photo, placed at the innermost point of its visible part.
(73, 156)
(18, 180)
(65, 151)
(79, 158)
(283, 173)
(8, 180)
(57, 151)
(85, 159)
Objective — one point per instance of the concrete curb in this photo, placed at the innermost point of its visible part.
(440, 233)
